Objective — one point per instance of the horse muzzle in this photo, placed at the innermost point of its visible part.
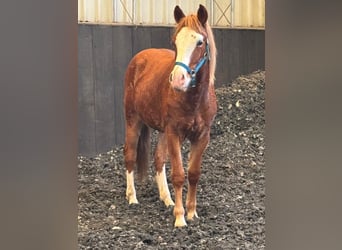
(179, 79)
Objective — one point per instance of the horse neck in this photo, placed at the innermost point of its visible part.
(199, 94)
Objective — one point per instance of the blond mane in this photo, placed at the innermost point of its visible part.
(192, 22)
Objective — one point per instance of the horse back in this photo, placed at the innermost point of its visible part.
(146, 79)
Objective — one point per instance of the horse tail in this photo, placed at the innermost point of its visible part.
(143, 152)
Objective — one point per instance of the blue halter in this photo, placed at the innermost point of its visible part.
(193, 72)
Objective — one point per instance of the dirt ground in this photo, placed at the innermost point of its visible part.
(231, 192)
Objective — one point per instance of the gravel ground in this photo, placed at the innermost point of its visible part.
(231, 192)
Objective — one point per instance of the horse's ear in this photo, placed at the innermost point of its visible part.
(178, 14)
(202, 14)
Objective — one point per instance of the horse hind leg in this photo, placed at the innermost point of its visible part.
(130, 152)
(160, 158)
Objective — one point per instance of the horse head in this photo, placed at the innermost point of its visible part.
(192, 48)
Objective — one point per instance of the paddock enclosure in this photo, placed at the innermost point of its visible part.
(231, 190)
(111, 32)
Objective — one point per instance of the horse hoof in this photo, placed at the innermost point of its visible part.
(132, 200)
(192, 215)
(180, 222)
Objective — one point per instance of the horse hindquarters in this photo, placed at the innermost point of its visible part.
(137, 138)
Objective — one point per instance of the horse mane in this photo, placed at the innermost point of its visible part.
(192, 22)
(213, 53)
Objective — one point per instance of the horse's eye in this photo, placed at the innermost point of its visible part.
(199, 43)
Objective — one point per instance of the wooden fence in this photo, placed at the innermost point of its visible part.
(104, 52)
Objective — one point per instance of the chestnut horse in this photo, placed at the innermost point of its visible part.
(172, 92)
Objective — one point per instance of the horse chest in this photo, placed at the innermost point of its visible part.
(190, 126)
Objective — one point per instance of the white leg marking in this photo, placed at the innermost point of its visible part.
(180, 221)
(191, 215)
(130, 191)
(163, 188)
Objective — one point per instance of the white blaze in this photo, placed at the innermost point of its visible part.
(186, 41)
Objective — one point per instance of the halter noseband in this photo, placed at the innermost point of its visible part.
(193, 72)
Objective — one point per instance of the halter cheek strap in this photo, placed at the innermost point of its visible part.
(193, 72)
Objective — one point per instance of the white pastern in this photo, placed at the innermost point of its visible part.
(130, 191)
(163, 188)
(180, 221)
(191, 215)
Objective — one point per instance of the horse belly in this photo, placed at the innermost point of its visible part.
(150, 114)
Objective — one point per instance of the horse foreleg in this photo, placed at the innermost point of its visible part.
(194, 172)
(160, 157)
(130, 152)
(177, 176)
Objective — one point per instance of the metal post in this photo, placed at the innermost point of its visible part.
(115, 7)
(212, 12)
(133, 11)
(232, 7)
